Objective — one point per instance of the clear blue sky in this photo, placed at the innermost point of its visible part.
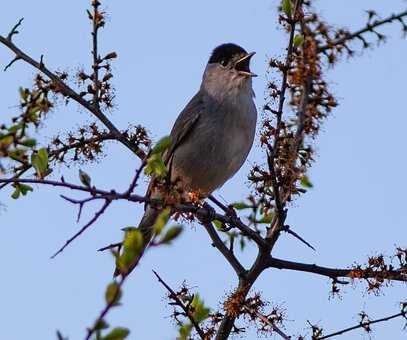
(356, 209)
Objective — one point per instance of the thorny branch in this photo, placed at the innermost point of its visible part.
(68, 92)
(188, 313)
(366, 323)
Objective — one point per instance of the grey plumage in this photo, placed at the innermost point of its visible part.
(213, 135)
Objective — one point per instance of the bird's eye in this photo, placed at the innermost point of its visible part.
(224, 62)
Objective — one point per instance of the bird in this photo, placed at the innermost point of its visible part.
(213, 134)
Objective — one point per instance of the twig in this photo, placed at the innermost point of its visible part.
(95, 66)
(265, 320)
(69, 92)
(86, 226)
(187, 310)
(288, 230)
(364, 324)
(105, 311)
(111, 246)
(14, 30)
(229, 256)
(335, 273)
(368, 28)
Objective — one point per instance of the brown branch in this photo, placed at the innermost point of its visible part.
(336, 273)
(69, 92)
(366, 324)
(84, 228)
(228, 254)
(106, 309)
(95, 66)
(266, 321)
(368, 28)
(178, 302)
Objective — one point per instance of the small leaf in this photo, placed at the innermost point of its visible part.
(24, 188)
(29, 143)
(298, 40)
(113, 293)
(155, 166)
(16, 193)
(40, 162)
(162, 145)
(201, 312)
(101, 324)
(286, 7)
(218, 224)
(119, 333)
(241, 205)
(84, 178)
(305, 182)
(267, 218)
(132, 246)
(171, 234)
(161, 221)
(185, 331)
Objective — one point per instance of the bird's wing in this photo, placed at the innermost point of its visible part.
(184, 125)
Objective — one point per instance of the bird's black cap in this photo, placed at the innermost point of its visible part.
(225, 52)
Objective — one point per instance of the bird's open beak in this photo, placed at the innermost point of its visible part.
(242, 65)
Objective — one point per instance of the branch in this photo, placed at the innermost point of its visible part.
(266, 321)
(69, 92)
(367, 324)
(179, 303)
(86, 226)
(95, 66)
(229, 256)
(368, 28)
(335, 273)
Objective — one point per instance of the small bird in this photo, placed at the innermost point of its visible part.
(213, 135)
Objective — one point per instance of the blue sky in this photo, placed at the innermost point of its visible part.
(356, 209)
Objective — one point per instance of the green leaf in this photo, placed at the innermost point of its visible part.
(305, 182)
(113, 293)
(218, 224)
(101, 324)
(162, 145)
(119, 333)
(161, 221)
(84, 178)
(24, 188)
(155, 166)
(171, 234)
(185, 331)
(298, 40)
(132, 246)
(16, 193)
(40, 162)
(6, 140)
(241, 205)
(201, 312)
(267, 218)
(29, 143)
(286, 7)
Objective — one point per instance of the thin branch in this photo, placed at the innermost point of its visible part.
(187, 311)
(111, 246)
(69, 92)
(365, 324)
(106, 309)
(288, 230)
(229, 256)
(368, 28)
(11, 63)
(14, 30)
(86, 226)
(95, 66)
(335, 273)
(266, 321)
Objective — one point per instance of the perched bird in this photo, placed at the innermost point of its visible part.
(213, 135)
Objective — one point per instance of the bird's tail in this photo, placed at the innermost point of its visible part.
(146, 228)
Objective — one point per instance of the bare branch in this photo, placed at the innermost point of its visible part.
(69, 92)
(336, 273)
(173, 296)
(229, 256)
(368, 28)
(14, 30)
(367, 324)
(86, 226)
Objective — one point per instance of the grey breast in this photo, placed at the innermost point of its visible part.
(218, 143)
